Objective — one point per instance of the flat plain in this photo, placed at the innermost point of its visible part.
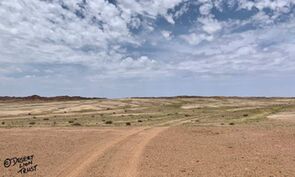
(150, 137)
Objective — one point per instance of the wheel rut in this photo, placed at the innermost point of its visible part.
(117, 158)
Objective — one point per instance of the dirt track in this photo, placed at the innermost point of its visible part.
(74, 152)
(153, 151)
(215, 142)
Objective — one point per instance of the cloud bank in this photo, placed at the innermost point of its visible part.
(119, 42)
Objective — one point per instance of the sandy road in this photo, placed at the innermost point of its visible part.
(163, 150)
(118, 157)
(121, 160)
(77, 152)
(82, 160)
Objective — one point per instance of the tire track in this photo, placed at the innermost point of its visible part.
(82, 160)
(119, 157)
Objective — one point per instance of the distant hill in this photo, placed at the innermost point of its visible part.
(41, 98)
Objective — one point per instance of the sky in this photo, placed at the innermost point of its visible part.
(126, 48)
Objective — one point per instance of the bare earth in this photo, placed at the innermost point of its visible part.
(216, 138)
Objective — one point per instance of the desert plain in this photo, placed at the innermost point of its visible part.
(148, 137)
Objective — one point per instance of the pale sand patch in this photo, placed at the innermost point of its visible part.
(286, 116)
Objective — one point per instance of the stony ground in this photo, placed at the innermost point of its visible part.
(150, 137)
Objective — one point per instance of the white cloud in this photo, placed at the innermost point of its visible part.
(149, 8)
(206, 8)
(166, 34)
(195, 39)
(98, 36)
(65, 32)
(244, 53)
(210, 25)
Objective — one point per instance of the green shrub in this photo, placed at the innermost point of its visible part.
(76, 124)
(108, 122)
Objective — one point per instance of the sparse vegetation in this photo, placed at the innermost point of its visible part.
(76, 124)
(182, 129)
(108, 122)
(153, 111)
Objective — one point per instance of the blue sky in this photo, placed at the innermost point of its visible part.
(122, 48)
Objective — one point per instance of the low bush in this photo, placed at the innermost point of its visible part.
(76, 124)
(108, 122)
